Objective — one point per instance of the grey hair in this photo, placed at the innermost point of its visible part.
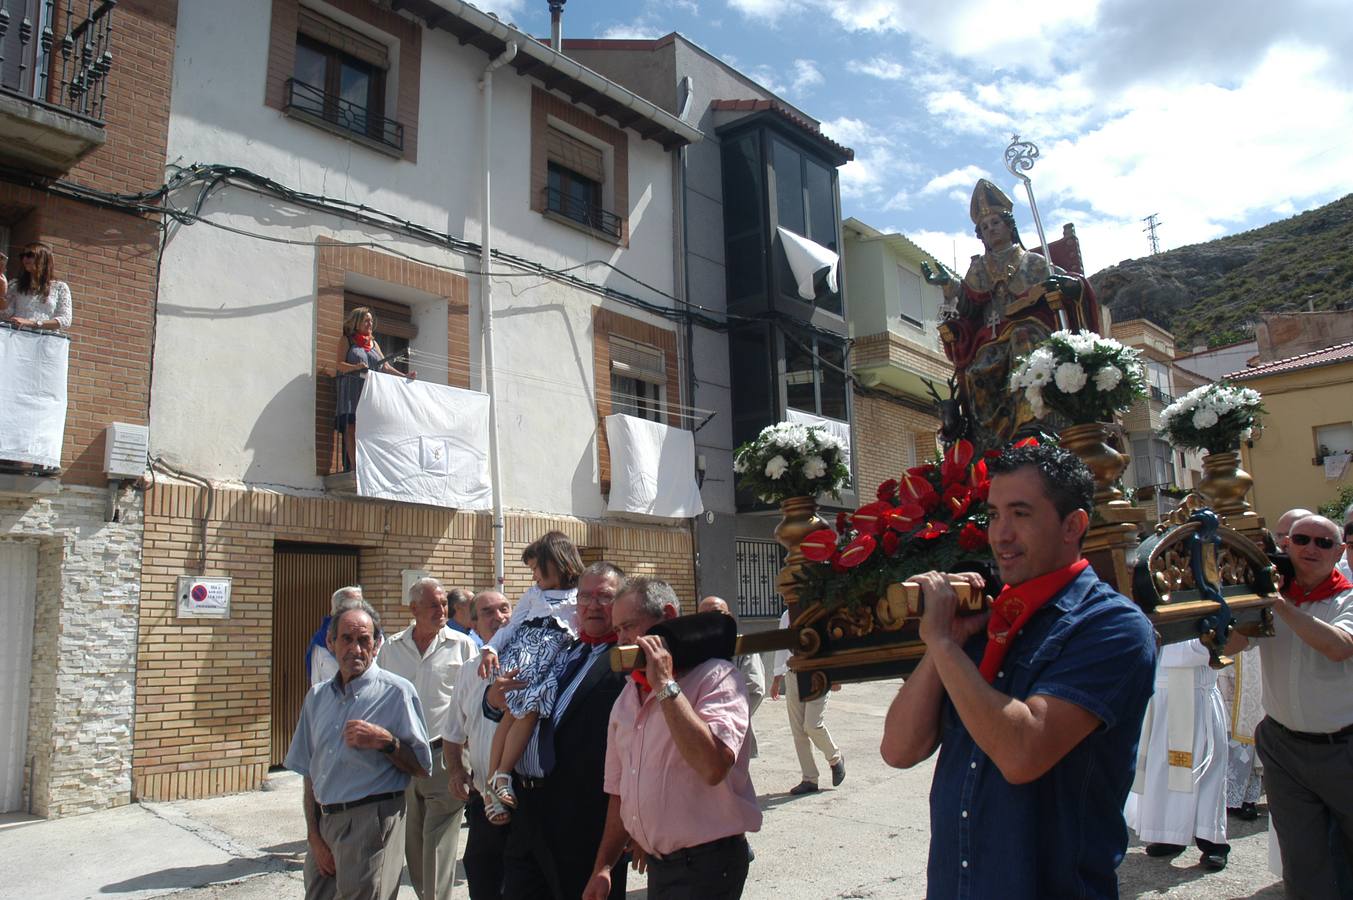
(422, 584)
(459, 597)
(653, 595)
(347, 607)
(343, 595)
(604, 569)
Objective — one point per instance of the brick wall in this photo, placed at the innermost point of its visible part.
(203, 688)
(888, 439)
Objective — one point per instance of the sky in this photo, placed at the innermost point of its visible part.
(1217, 117)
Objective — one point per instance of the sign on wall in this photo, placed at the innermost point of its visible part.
(203, 598)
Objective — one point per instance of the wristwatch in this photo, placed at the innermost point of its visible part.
(667, 691)
(390, 746)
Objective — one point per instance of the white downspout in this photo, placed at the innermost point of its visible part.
(486, 310)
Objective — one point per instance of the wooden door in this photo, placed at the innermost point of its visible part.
(304, 578)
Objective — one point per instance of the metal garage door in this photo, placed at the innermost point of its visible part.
(18, 595)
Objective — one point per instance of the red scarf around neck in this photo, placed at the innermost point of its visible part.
(607, 638)
(641, 681)
(1014, 607)
(1332, 585)
(365, 341)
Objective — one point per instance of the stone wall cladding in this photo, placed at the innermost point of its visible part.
(203, 713)
(888, 439)
(84, 649)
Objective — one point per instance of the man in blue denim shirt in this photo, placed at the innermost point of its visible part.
(1036, 713)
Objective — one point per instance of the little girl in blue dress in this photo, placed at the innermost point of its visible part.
(543, 624)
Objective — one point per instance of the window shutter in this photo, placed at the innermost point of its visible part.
(575, 155)
(394, 319)
(638, 361)
(340, 37)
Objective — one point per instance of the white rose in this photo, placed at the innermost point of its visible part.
(814, 467)
(1204, 418)
(1070, 377)
(776, 467)
(1107, 378)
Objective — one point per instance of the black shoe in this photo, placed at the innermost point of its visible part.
(839, 772)
(1164, 849)
(1213, 860)
(803, 787)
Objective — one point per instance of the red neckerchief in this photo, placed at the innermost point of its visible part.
(607, 638)
(641, 680)
(1332, 584)
(365, 341)
(1015, 606)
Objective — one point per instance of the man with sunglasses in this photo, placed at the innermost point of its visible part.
(1304, 738)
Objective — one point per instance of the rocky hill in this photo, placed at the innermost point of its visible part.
(1213, 293)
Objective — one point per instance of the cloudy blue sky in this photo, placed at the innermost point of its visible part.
(1217, 116)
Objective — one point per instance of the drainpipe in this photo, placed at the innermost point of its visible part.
(486, 310)
(686, 93)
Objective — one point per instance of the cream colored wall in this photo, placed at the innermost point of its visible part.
(1281, 459)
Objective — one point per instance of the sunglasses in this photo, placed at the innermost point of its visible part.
(1301, 540)
(27, 254)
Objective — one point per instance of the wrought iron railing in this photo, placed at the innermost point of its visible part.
(1160, 396)
(344, 114)
(71, 72)
(580, 211)
(758, 565)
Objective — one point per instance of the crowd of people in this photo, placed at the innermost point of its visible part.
(1058, 720)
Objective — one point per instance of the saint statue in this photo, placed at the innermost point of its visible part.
(1010, 301)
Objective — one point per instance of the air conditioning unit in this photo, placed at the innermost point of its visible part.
(125, 448)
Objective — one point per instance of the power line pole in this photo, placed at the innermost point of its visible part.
(1152, 222)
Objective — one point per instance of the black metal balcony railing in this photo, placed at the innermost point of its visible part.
(80, 65)
(344, 114)
(584, 213)
(1160, 396)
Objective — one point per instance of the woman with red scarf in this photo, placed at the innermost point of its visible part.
(358, 352)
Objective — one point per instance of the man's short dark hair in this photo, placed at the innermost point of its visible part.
(1067, 481)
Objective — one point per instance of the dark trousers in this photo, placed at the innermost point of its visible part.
(484, 852)
(1310, 797)
(548, 856)
(713, 871)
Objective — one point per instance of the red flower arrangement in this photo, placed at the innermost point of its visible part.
(930, 517)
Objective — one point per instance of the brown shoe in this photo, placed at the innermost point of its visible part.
(803, 787)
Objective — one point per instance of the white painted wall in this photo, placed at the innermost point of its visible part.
(234, 380)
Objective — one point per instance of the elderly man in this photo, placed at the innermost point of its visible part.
(676, 765)
(320, 664)
(751, 667)
(430, 656)
(1036, 710)
(561, 805)
(469, 738)
(462, 611)
(360, 738)
(1304, 739)
(807, 725)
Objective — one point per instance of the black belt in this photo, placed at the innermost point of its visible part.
(528, 782)
(330, 808)
(687, 855)
(1316, 737)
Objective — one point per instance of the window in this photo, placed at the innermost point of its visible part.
(577, 197)
(752, 376)
(579, 168)
(394, 325)
(1158, 381)
(24, 61)
(338, 77)
(805, 203)
(1152, 463)
(815, 377)
(638, 380)
(911, 307)
(1331, 440)
(744, 235)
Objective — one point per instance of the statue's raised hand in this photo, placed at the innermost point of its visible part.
(943, 276)
(1069, 287)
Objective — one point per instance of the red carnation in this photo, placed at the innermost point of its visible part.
(887, 489)
(868, 519)
(933, 530)
(857, 551)
(972, 537)
(819, 546)
(891, 541)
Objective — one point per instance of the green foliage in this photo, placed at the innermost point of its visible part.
(1335, 508)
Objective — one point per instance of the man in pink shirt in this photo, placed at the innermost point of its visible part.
(676, 765)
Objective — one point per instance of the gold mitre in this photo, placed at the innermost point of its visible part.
(988, 199)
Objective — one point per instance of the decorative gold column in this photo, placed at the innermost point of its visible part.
(799, 519)
(1113, 528)
(1225, 484)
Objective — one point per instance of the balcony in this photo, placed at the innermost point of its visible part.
(33, 368)
(1159, 396)
(343, 117)
(589, 215)
(53, 90)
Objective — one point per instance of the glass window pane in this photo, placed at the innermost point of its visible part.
(821, 205)
(309, 66)
(355, 84)
(742, 176)
(832, 362)
(746, 262)
(800, 391)
(788, 187)
(749, 355)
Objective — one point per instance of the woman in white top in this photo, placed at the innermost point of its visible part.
(36, 299)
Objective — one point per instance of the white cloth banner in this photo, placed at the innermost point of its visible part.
(1335, 465)
(423, 443)
(33, 372)
(806, 259)
(833, 426)
(652, 468)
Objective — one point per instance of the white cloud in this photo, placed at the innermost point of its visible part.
(953, 248)
(639, 30)
(879, 161)
(503, 9)
(963, 178)
(878, 67)
(764, 10)
(806, 75)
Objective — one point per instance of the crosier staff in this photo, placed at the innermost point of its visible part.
(1019, 159)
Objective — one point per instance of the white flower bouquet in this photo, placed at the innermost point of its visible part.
(1215, 417)
(1082, 376)
(792, 460)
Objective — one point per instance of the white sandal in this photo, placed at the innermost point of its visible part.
(495, 811)
(500, 783)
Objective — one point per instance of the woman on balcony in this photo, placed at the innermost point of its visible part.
(36, 299)
(358, 352)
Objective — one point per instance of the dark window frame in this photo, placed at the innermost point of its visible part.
(366, 122)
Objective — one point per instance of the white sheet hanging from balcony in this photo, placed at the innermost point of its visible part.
(652, 468)
(806, 259)
(33, 372)
(423, 443)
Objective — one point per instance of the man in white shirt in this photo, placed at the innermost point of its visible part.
(1304, 741)
(320, 663)
(806, 724)
(469, 739)
(751, 667)
(430, 656)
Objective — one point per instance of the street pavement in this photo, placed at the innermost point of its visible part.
(866, 839)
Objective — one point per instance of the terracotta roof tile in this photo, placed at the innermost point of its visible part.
(1337, 353)
(786, 113)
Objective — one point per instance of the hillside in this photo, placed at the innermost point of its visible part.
(1213, 293)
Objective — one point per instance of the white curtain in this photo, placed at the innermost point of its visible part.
(652, 468)
(33, 412)
(806, 259)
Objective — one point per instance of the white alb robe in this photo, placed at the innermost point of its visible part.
(1174, 804)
